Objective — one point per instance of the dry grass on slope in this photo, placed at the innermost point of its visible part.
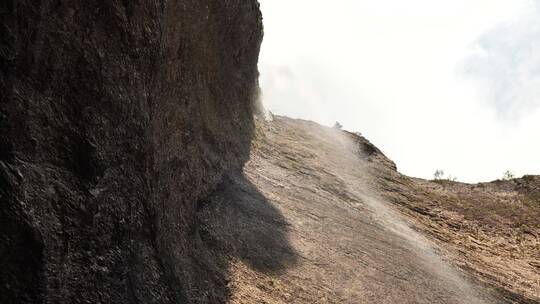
(491, 229)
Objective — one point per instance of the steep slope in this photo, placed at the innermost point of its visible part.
(311, 220)
(124, 128)
(491, 229)
(116, 117)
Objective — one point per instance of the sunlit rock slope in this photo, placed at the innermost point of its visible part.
(320, 215)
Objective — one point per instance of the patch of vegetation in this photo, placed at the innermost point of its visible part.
(528, 178)
(438, 176)
(508, 175)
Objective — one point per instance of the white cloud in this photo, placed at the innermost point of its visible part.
(506, 60)
(390, 69)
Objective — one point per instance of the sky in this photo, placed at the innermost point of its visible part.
(435, 84)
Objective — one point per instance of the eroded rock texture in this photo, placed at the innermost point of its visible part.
(116, 117)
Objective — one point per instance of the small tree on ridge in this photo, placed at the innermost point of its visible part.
(508, 175)
(438, 175)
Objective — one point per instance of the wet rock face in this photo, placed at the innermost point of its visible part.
(116, 117)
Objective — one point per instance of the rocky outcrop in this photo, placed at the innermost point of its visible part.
(116, 118)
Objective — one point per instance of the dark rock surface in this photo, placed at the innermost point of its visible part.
(116, 118)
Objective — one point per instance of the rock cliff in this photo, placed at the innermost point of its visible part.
(116, 118)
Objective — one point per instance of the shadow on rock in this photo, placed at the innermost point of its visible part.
(238, 221)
